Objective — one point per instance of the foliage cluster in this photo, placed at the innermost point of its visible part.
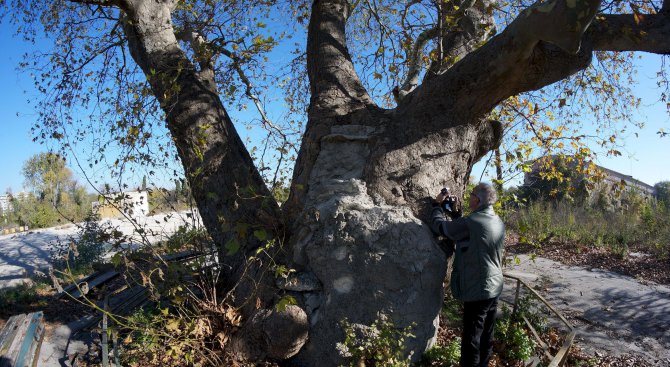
(188, 321)
(180, 323)
(166, 337)
(167, 200)
(53, 197)
(444, 356)
(663, 192)
(380, 344)
(518, 345)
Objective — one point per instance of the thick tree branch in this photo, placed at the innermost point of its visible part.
(512, 62)
(473, 26)
(629, 32)
(334, 84)
(225, 183)
(201, 50)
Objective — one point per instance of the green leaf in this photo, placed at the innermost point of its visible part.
(284, 302)
(116, 259)
(232, 247)
(261, 234)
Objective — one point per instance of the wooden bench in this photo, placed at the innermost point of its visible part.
(82, 286)
(20, 340)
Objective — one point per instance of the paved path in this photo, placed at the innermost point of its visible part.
(612, 313)
(22, 254)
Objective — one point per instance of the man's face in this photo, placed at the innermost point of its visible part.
(474, 201)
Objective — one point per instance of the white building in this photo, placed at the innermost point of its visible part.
(133, 204)
(5, 203)
(6, 200)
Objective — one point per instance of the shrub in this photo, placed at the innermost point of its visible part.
(452, 309)
(381, 344)
(161, 337)
(443, 356)
(518, 345)
(643, 224)
(83, 250)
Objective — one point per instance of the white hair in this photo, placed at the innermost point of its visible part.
(486, 194)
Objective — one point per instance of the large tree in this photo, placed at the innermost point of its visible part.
(364, 173)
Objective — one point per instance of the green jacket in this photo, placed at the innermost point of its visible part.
(477, 271)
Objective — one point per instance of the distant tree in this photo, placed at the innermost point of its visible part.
(555, 178)
(663, 192)
(54, 193)
(144, 183)
(47, 177)
(177, 187)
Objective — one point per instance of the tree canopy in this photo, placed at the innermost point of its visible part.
(95, 93)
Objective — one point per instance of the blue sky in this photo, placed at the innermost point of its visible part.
(644, 157)
(16, 144)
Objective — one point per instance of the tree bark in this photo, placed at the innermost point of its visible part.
(362, 184)
(231, 196)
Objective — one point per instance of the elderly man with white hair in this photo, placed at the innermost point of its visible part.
(477, 277)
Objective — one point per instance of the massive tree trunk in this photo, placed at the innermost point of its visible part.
(231, 195)
(362, 186)
(364, 176)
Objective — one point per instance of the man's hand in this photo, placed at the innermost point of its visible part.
(440, 198)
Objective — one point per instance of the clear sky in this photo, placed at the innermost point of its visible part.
(645, 157)
(16, 144)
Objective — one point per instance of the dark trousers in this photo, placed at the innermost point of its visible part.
(478, 323)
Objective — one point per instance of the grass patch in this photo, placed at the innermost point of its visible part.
(644, 225)
(24, 298)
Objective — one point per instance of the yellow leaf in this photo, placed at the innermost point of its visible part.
(172, 325)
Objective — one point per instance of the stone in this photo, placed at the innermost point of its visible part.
(271, 333)
(285, 332)
(299, 282)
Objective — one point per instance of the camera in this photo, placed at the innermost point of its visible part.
(449, 203)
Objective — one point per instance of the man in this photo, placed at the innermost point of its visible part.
(476, 278)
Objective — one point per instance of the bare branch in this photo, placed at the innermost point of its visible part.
(94, 55)
(412, 78)
(249, 92)
(201, 49)
(121, 4)
(99, 2)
